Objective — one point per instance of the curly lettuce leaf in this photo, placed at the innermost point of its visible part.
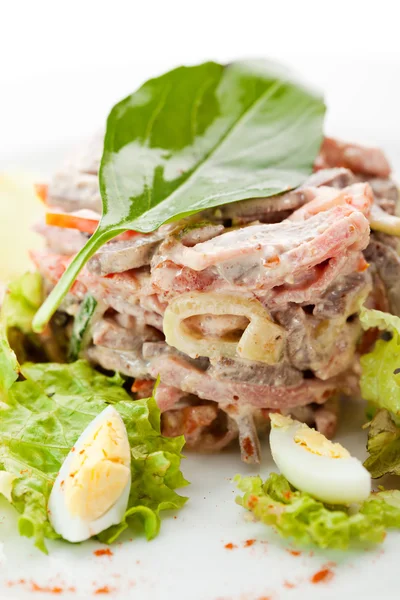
(380, 368)
(42, 416)
(305, 520)
(76, 379)
(383, 446)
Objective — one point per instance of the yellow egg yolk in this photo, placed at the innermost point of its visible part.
(317, 443)
(311, 440)
(99, 472)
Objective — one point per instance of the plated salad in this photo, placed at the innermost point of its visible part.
(214, 268)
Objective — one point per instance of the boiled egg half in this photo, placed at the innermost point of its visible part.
(314, 464)
(91, 491)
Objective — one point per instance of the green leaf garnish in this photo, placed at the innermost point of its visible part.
(380, 368)
(21, 301)
(197, 138)
(300, 517)
(383, 446)
(42, 416)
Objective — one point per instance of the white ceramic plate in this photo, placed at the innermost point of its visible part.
(189, 560)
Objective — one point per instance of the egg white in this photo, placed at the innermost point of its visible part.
(332, 480)
(74, 528)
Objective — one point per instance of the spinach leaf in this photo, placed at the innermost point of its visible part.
(196, 138)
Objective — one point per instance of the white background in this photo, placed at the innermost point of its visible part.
(63, 64)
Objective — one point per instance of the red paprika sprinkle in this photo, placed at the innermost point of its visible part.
(289, 585)
(249, 543)
(230, 546)
(103, 552)
(252, 501)
(322, 576)
(103, 590)
(46, 589)
(294, 552)
(248, 446)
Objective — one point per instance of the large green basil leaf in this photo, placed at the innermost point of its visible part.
(197, 138)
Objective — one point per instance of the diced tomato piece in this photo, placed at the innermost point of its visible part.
(41, 191)
(72, 221)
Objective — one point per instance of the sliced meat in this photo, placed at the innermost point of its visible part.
(167, 397)
(60, 240)
(338, 178)
(344, 297)
(267, 210)
(387, 263)
(311, 283)
(206, 429)
(128, 363)
(359, 159)
(261, 256)
(124, 292)
(154, 350)
(326, 346)
(117, 257)
(107, 332)
(76, 185)
(72, 190)
(276, 208)
(248, 438)
(197, 233)
(177, 372)
(385, 189)
(358, 195)
(246, 371)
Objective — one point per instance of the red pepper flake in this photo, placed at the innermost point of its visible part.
(288, 494)
(82, 451)
(103, 552)
(293, 552)
(248, 446)
(103, 590)
(230, 546)
(273, 261)
(252, 501)
(322, 576)
(249, 543)
(73, 449)
(23, 471)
